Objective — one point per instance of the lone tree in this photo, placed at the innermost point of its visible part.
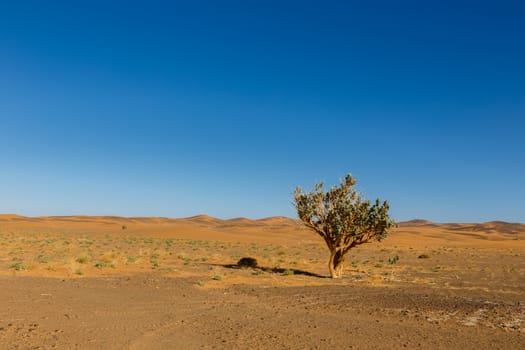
(342, 218)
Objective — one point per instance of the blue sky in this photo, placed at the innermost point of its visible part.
(151, 108)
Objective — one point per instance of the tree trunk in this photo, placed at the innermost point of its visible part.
(335, 264)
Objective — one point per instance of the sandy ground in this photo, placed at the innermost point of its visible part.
(156, 283)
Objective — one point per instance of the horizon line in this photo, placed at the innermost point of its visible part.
(414, 221)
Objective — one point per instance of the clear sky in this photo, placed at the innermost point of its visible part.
(175, 108)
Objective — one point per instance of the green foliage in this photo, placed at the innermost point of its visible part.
(101, 264)
(341, 214)
(19, 266)
(342, 217)
(393, 260)
(43, 259)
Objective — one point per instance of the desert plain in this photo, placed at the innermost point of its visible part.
(89, 282)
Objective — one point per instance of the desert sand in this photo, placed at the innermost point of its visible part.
(157, 283)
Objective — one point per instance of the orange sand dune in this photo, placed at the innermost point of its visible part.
(197, 227)
(272, 229)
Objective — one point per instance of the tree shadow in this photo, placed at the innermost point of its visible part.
(279, 270)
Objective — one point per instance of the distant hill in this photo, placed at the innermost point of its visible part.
(489, 227)
(11, 217)
(415, 222)
(281, 222)
(485, 227)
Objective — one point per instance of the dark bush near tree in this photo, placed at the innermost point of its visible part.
(247, 262)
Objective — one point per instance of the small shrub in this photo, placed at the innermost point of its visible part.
(19, 266)
(79, 272)
(424, 256)
(247, 262)
(288, 272)
(44, 260)
(100, 265)
(393, 260)
(217, 278)
(378, 265)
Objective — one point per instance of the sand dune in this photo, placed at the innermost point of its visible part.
(415, 222)
(174, 226)
(7, 217)
(491, 227)
(497, 227)
(279, 220)
(243, 220)
(203, 218)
